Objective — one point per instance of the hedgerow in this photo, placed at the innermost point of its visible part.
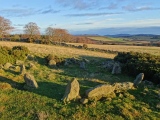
(134, 63)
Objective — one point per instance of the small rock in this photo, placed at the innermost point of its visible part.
(108, 65)
(30, 57)
(22, 69)
(158, 105)
(19, 62)
(120, 87)
(66, 63)
(138, 79)
(52, 63)
(82, 65)
(84, 100)
(116, 69)
(146, 82)
(30, 81)
(85, 60)
(32, 65)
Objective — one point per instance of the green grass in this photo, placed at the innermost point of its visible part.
(45, 102)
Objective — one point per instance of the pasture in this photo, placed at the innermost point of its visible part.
(44, 103)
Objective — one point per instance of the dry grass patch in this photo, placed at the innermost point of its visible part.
(5, 86)
(125, 48)
(57, 50)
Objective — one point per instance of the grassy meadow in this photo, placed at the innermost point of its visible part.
(107, 39)
(125, 48)
(45, 103)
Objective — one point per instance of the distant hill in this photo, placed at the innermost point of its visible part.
(120, 31)
(129, 35)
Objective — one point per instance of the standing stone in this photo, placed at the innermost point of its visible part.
(66, 62)
(82, 65)
(108, 65)
(116, 69)
(30, 81)
(99, 91)
(72, 91)
(22, 69)
(138, 79)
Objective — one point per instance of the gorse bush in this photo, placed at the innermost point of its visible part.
(134, 63)
(11, 55)
(5, 55)
(57, 59)
(19, 52)
(4, 58)
(5, 50)
(85, 46)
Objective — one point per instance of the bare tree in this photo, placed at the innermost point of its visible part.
(50, 33)
(5, 27)
(58, 35)
(32, 30)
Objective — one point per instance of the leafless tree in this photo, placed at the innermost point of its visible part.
(32, 30)
(58, 35)
(5, 27)
(50, 33)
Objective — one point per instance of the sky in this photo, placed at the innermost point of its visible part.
(84, 16)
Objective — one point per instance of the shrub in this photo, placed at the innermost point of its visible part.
(85, 46)
(57, 59)
(5, 55)
(19, 52)
(10, 55)
(4, 58)
(135, 63)
(5, 49)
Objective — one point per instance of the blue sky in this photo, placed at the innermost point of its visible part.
(80, 16)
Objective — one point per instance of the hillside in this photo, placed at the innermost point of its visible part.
(45, 103)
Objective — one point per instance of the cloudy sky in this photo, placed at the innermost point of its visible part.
(79, 16)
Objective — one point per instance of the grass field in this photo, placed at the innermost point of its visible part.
(45, 102)
(125, 48)
(102, 38)
(124, 41)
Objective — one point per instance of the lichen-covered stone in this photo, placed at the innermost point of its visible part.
(72, 91)
(99, 92)
(30, 80)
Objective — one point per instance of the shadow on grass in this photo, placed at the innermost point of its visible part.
(41, 60)
(94, 70)
(13, 84)
(12, 72)
(50, 90)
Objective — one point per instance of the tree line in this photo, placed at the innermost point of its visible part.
(32, 34)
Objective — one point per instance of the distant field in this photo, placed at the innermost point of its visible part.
(101, 38)
(121, 40)
(125, 48)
